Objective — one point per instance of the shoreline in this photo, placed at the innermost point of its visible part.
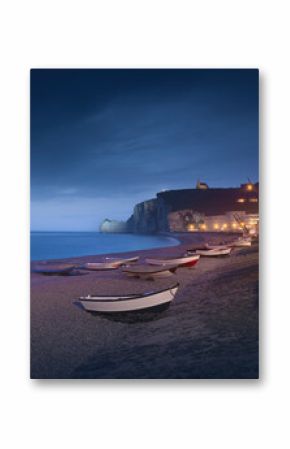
(181, 238)
(209, 331)
(106, 254)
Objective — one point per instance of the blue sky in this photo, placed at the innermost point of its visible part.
(103, 140)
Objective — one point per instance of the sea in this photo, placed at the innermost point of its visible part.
(59, 245)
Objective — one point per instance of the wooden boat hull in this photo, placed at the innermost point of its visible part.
(122, 261)
(101, 266)
(150, 271)
(242, 243)
(130, 303)
(218, 247)
(205, 247)
(214, 252)
(51, 269)
(182, 262)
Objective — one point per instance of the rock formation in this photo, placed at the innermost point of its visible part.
(173, 210)
(113, 226)
(149, 217)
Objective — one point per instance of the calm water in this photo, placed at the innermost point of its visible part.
(58, 245)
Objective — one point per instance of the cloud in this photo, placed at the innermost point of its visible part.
(124, 136)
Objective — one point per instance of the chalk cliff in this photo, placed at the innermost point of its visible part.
(174, 209)
(113, 226)
(149, 217)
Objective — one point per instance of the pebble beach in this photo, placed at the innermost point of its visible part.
(210, 330)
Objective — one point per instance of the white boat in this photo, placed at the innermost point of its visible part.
(100, 266)
(54, 269)
(109, 264)
(150, 271)
(121, 261)
(206, 246)
(128, 303)
(186, 261)
(217, 247)
(242, 242)
(214, 252)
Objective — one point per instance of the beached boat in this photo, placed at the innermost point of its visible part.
(54, 269)
(206, 246)
(121, 261)
(111, 263)
(100, 266)
(128, 303)
(242, 242)
(213, 252)
(150, 271)
(185, 262)
(218, 246)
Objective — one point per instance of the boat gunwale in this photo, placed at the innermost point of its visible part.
(212, 250)
(121, 259)
(128, 297)
(99, 266)
(165, 261)
(209, 248)
(151, 269)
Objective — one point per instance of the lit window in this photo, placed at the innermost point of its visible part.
(253, 200)
(250, 187)
(241, 200)
(203, 226)
(191, 227)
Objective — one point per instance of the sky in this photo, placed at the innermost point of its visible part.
(104, 140)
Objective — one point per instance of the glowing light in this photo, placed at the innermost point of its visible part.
(203, 226)
(249, 187)
(253, 200)
(191, 227)
(241, 200)
(234, 225)
(215, 226)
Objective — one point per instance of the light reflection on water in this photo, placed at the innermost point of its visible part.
(57, 245)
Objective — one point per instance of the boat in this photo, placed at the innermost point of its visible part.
(218, 246)
(110, 263)
(100, 266)
(122, 261)
(130, 302)
(214, 252)
(206, 246)
(185, 261)
(150, 271)
(242, 242)
(54, 269)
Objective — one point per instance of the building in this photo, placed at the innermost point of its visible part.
(200, 209)
(213, 209)
(201, 185)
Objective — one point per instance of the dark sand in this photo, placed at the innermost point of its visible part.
(209, 331)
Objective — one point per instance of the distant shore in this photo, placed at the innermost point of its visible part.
(209, 331)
